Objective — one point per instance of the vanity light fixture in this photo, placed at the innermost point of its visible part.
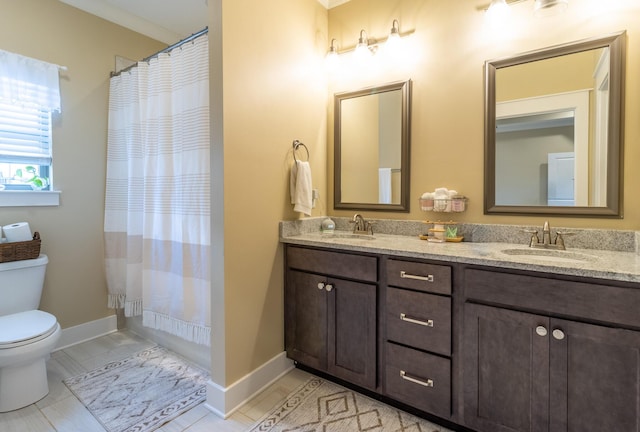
(333, 50)
(393, 40)
(331, 60)
(498, 8)
(367, 46)
(363, 48)
(540, 7)
(498, 5)
(549, 7)
(394, 34)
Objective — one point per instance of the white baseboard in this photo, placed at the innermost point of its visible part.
(198, 354)
(86, 331)
(224, 401)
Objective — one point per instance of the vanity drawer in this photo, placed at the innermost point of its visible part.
(591, 301)
(418, 379)
(333, 263)
(419, 320)
(419, 276)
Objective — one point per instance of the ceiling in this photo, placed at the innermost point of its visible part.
(168, 21)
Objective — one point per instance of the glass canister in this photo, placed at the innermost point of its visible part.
(458, 203)
(426, 202)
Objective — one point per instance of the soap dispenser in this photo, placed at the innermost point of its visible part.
(328, 225)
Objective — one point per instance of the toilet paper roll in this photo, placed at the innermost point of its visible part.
(17, 232)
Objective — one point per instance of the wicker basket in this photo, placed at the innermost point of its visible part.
(18, 251)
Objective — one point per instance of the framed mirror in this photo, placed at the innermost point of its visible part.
(554, 130)
(371, 148)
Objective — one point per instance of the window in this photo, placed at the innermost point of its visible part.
(25, 147)
(29, 93)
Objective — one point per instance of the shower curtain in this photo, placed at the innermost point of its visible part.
(157, 206)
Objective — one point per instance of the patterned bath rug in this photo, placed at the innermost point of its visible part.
(142, 392)
(323, 406)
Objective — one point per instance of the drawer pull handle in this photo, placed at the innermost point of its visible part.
(427, 323)
(405, 275)
(427, 383)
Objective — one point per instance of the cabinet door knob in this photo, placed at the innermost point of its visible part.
(541, 330)
(329, 287)
(558, 334)
(321, 285)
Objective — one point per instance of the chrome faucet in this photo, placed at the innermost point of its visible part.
(558, 241)
(360, 225)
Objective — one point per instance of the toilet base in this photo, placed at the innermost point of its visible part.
(23, 385)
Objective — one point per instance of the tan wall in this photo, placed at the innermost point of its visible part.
(75, 289)
(274, 91)
(450, 44)
(563, 74)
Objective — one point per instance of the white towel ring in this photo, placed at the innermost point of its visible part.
(296, 145)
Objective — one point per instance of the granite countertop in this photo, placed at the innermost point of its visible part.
(601, 264)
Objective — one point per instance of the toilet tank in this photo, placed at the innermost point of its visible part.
(21, 284)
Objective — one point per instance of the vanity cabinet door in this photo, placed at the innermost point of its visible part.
(352, 332)
(306, 314)
(595, 378)
(506, 370)
(527, 373)
(331, 322)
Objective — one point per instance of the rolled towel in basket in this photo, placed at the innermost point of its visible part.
(17, 232)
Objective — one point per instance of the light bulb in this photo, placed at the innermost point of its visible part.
(393, 41)
(362, 49)
(498, 11)
(549, 7)
(331, 60)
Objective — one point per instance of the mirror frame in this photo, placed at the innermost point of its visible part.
(617, 50)
(405, 88)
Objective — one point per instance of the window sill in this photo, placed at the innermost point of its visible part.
(29, 198)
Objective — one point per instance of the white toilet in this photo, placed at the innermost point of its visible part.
(27, 335)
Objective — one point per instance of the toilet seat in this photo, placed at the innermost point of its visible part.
(26, 327)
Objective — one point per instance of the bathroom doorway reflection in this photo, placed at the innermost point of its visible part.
(542, 151)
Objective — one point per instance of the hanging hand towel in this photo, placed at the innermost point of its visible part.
(300, 186)
(384, 185)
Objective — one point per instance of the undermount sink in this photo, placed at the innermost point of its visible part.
(348, 235)
(550, 255)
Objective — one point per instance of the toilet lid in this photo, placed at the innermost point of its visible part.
(24, 327)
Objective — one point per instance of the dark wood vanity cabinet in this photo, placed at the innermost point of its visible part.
(534, 360)
(491, 349)
(331, 313)
(332, 323)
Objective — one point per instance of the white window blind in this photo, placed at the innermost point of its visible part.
(29, 93)
(27, 81)
(25, 135)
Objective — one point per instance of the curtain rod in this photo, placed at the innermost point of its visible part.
(162, 51)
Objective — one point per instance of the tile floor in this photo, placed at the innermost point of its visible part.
(60, 410)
